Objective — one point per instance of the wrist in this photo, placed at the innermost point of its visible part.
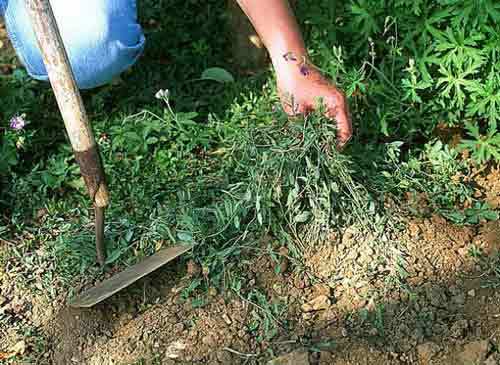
(290, 66)
(283, 52)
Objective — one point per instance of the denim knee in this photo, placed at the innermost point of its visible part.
(102, 37)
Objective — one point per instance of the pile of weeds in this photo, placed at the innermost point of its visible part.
(281, 177)
(292, 175)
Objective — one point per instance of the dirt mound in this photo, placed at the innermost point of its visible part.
(437, 250)
(209, 331)
(171, 331)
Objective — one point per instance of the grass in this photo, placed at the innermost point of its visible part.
(219, 164)
(212, 164)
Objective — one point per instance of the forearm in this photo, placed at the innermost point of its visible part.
(299, 85)
(277, 27)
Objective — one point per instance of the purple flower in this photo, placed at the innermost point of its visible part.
(304, 70)
(17, 122)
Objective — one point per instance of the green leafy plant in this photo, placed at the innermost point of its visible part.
(482, 147)
(14, 139)
(266, 315)
(419, 63)
(478, 213)
(8, 153)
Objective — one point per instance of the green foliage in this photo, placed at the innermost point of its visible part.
(479, 212)
(434, 172)
(13, 142)
(291, 171)
(416, 63)
(218, 164)
(266, 315)
(483, 147)
(217, 74)
(375, 318)
(8, 153)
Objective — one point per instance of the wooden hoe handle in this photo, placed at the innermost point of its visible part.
(72, 109)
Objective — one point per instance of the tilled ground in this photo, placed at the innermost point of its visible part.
(343, 307)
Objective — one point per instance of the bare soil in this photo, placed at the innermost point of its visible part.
(342, 306)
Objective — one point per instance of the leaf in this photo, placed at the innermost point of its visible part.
(302, 217)
(260, 219)
(217, 74)
(490, 215)
(132, 136)
(187, 118)
(129, 235)
(185, 236)
(77, 184)
(169, 234)
(115, 255)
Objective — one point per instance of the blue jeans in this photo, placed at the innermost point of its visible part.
(102, 37)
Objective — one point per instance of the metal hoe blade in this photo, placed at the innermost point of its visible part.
(128, 276)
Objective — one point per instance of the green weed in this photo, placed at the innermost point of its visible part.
(266, 315)
(218, 164)
(409, 65)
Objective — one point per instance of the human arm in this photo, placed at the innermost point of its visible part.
(299, 83)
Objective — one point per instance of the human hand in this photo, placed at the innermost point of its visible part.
(300, 85)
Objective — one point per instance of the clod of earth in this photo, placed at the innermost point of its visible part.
(175, 349)
(474, 352)
(426, 352)
(321, 302)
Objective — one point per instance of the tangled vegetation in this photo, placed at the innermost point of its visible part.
(216, 162)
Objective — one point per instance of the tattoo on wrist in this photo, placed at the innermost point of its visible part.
(304, 68)
(289, 56)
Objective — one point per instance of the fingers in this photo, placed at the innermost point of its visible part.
(292, 107)
(338, 110)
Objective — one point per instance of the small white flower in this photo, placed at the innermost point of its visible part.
(162, 94)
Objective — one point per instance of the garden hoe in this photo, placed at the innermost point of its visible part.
(86, 153)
